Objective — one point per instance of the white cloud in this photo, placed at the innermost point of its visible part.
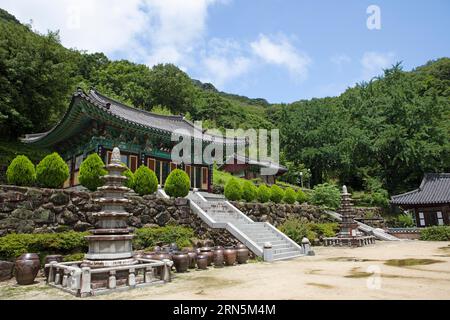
(280, 51)
(149, 31)
(373, 63)
(224, 60)
(340, 60)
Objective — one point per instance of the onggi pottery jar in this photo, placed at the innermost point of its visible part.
(27, 268)
(149, 255)
(242, 253)
(202, 262)
(230, 256)
(181, 261)
(50, 258)
(218, 257)
(192, 257)
(208, 252)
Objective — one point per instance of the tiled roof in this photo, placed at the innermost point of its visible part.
(141, 118)
(434, 189)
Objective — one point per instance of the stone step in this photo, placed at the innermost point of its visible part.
(261, 243)
(284, 250)
(287, 255)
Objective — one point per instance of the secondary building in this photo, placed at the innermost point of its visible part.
(95, 123)
(430, 204)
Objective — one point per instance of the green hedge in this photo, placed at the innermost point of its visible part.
(145, 181)
(435, 233)
(233, 190)
(177, 184)
(263, 195)
(276, 194)
(289, 195)
(249, 191)
(13, 245)
(91, 170)
(302, 197)
(149, 237)
(52, 171)
(21, 172)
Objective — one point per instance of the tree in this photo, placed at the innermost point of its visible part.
(177, 184)
(145, 181)
(21, 172)
(249, 191)
(171, 87)
(233, 190)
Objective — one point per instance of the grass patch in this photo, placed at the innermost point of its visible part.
(410, 262)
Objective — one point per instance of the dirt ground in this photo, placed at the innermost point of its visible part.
(387, 270)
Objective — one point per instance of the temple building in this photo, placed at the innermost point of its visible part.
(96, 123)
(430, 204)
(247, 168)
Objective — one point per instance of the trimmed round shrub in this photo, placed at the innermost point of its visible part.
(289, 196)
(91, 169)
(129, 183)
(177, 184)
(233, 190)
(21, 172)
(276, 193)
(301, 196)
(263, 193)
(52, 171)
(145, 181)
(249, 191)
(326, 195)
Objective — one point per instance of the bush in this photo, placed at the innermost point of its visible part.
(21, 172)
(52, 171)
(326, 195)
(276, 193)
(301, 196)
(249, 191)
(289, 195)
(263, 193)
(401, 221)
(177, 184)
(145, 181)
(13, 245)
(149, 237)
(435, 233)
(297, 229)
(233, 190)
(91, 169)
(129, 183)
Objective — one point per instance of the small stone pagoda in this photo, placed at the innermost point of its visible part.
(349, 234)
(109, 264)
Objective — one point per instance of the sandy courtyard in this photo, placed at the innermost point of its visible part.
(334, 273)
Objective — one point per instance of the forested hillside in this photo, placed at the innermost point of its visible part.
(379, 135)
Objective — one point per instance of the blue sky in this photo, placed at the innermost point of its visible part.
(282, 51)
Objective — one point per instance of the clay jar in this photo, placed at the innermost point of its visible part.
(192, 257)
(162, 255)
(27, 268)
(242, 253)
(180, 261)
(149, 255)
(207, 251)
(218, 257)
(50, 258)
(230, 256)
(202, 262)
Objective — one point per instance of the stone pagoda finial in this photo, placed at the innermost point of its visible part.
(115, 157)
(344, 189)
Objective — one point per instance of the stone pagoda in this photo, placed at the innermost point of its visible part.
(348, 228)
(109, 263)
(110, 243)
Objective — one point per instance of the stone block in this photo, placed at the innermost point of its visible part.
(59, 198)
(6, 270)
(42, 215)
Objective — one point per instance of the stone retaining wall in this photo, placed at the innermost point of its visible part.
(37, 210)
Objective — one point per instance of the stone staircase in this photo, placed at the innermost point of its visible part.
(215, 211)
